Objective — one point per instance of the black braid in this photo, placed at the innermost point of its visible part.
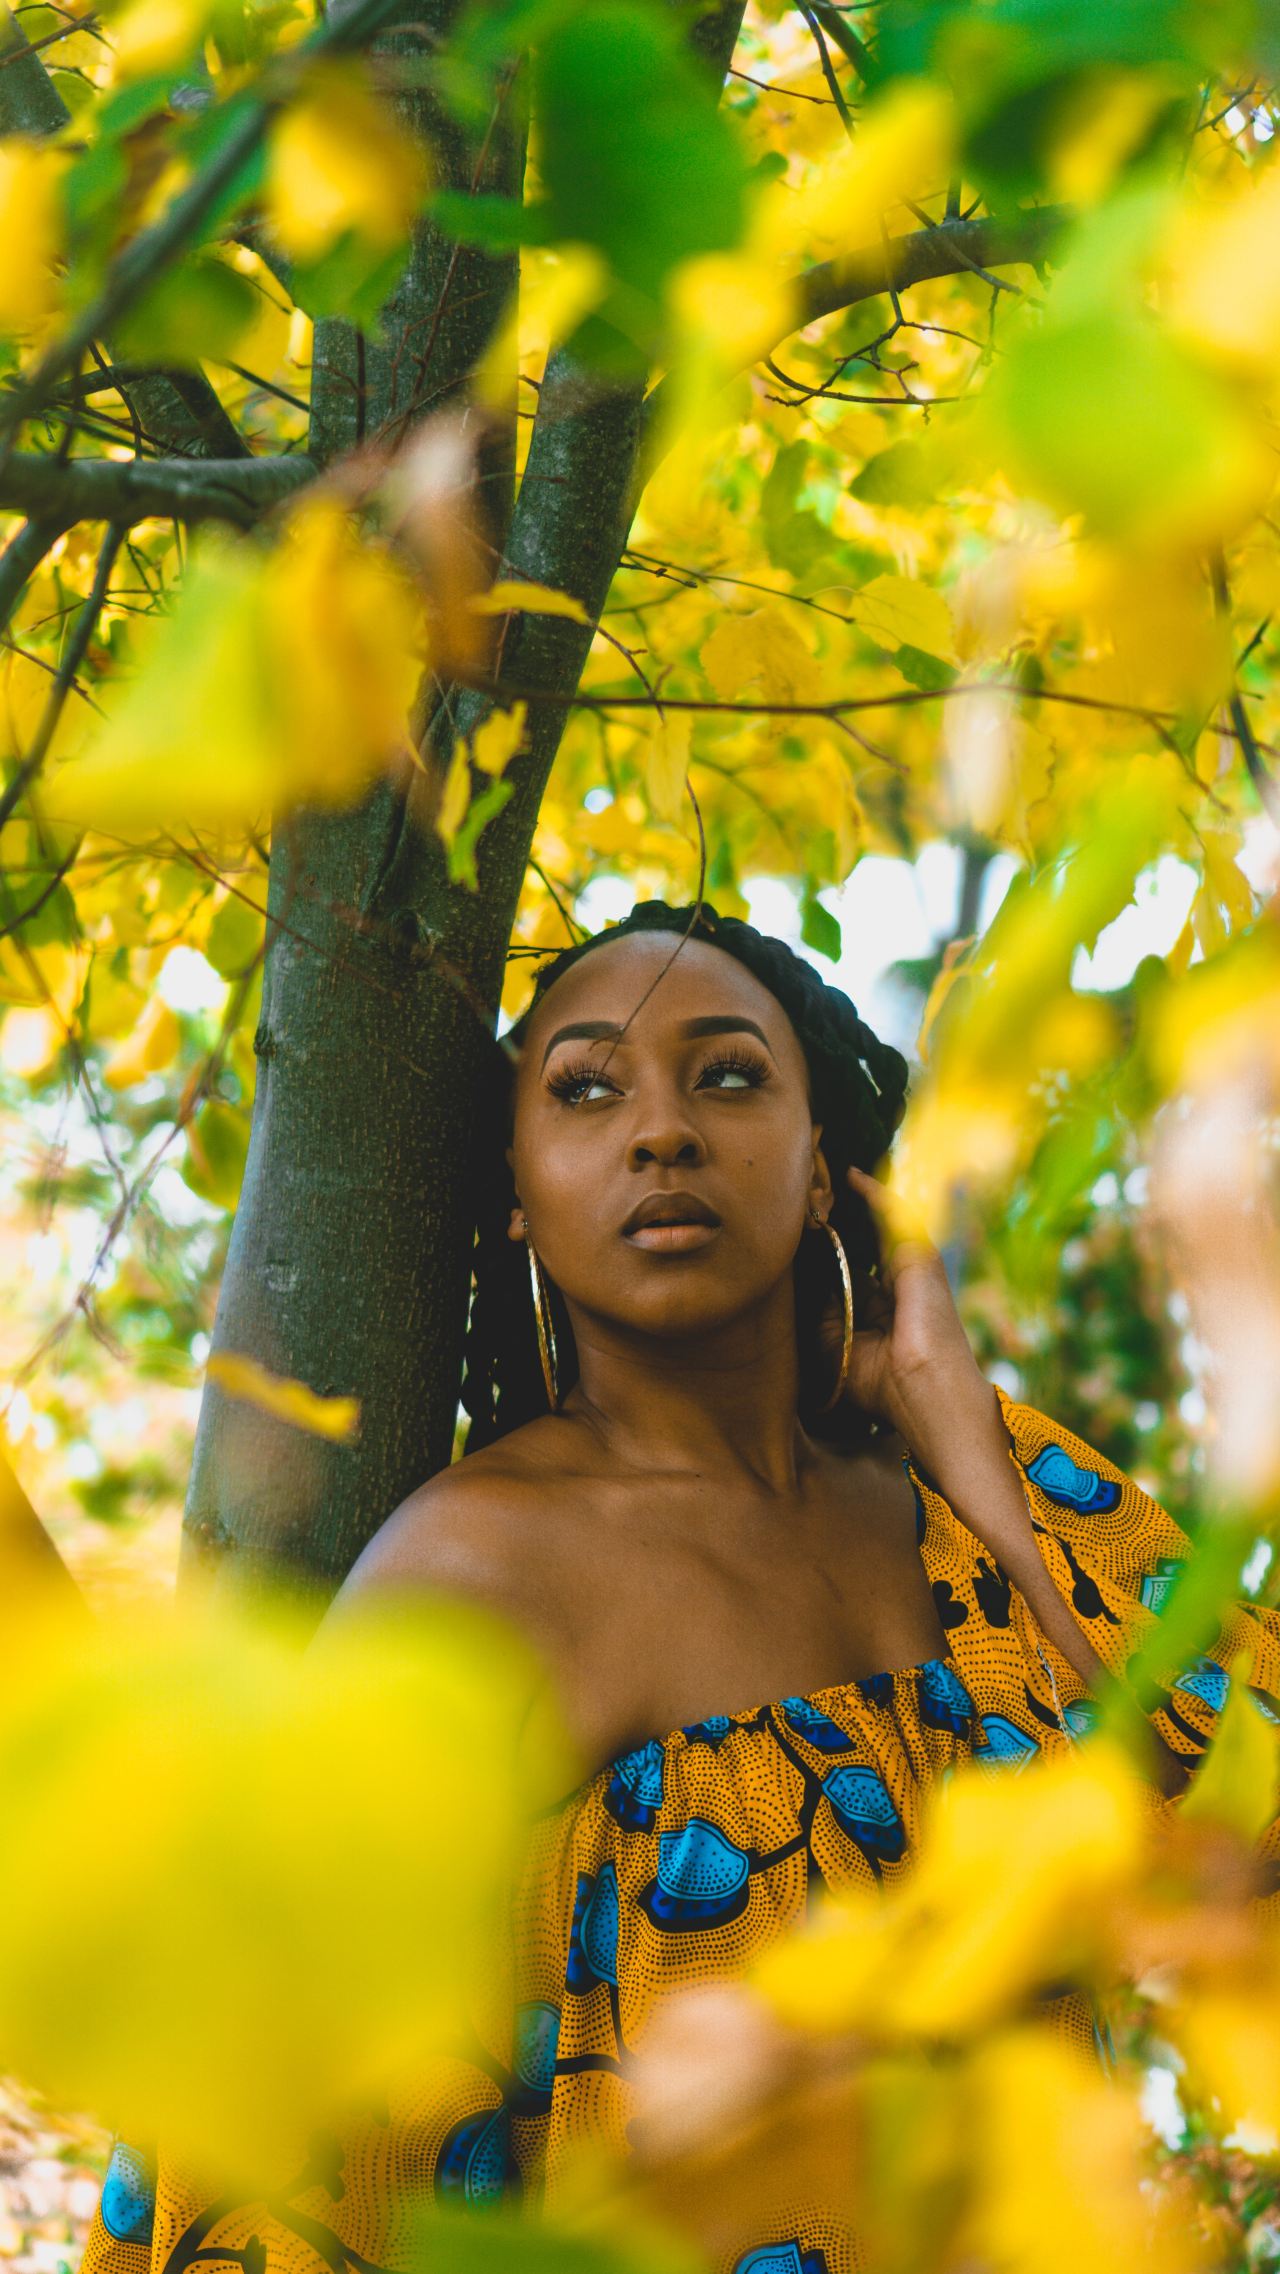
(858, 1087)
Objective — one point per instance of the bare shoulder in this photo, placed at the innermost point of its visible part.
(486, 1529)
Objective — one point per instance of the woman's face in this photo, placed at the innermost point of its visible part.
(666, 1173)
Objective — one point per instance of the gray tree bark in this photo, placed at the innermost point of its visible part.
(349, 1262)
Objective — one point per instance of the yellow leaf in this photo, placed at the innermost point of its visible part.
(279, 678)
(1238, 1781)
(343, 1936)
(1059, 2153)
(899, 611)
(1225, 274)
(339, 161)
(456, 795)
(497, 740)
(900, 150)
(154, 35)
(335, 1417)
(30, 232)
(556, 290)
(764, 647)
(1231, 2040)
(666, 763)
(510, 593)
(154, 1043)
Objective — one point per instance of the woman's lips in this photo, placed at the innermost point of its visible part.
(672, 1239)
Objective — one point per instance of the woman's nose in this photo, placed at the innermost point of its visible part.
(666, 1140)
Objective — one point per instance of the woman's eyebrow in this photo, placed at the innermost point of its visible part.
(605, 1030)
(585, 1030)
(730, 1023)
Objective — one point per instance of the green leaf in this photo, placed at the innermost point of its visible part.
(925, 671)
(795, 536)
(217, 1143)
(901, 475)
(198, 309)
(1108, 417)
(818, 927)
(130, 107)
(636, 160)
(53, 922)
(495, 224)
(462, 850)
(235, 937)
(350, 281)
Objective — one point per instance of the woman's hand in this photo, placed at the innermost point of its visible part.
(912, 1367)
(911, 1364)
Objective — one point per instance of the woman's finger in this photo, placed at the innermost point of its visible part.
(902, 1234)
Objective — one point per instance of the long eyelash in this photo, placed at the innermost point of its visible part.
(573, 1074)
(735, 1060)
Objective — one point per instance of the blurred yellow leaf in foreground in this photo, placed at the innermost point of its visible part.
(30, 232)
(339, 162)
(281, 677)
(247, 1885)
(286, 1400)
(510, 593)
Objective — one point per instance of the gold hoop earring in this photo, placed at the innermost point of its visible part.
(544, 1323)
(846, 1290)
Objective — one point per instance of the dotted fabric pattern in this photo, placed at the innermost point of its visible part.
(678, 1864)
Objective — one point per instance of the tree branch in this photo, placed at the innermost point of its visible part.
(950, 248)
(239, 490)
(22, 557)
(185, 219)
(181, 409)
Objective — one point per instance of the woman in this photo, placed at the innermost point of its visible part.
(698, 1483)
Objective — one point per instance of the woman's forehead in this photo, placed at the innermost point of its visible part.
(700, 981)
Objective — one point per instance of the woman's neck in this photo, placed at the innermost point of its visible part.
(719, 1400)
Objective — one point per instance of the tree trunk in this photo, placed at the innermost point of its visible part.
(350, 1256)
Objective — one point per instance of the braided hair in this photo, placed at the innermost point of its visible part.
(857, 1091)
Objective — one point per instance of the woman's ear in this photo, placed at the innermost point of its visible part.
(517, 1226)
(820, 1190)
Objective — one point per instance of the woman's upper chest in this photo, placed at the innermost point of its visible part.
(699, 1599)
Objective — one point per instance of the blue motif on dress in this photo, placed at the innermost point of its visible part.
(1205, 1680)
(712, 1731)
(633, 1796)
(128, 2203)
(781, 2258)
(1063, 1480)
(1157, 1585)
(944, 1701)
(876, 1689)
(537, 2036)
(862, 1807)
(593, 1936)
(816, 1727)
(1081, 1717)
(703, 1879)
(475, 2166)
(1001, 1744)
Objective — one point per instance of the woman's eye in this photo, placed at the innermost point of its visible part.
(579, 1085)
(731, 1074)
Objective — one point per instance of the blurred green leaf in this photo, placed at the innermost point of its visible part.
(217, 1142)
(635, 158)
(198, 310)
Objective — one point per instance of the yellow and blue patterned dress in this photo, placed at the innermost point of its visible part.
(680, 1862)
